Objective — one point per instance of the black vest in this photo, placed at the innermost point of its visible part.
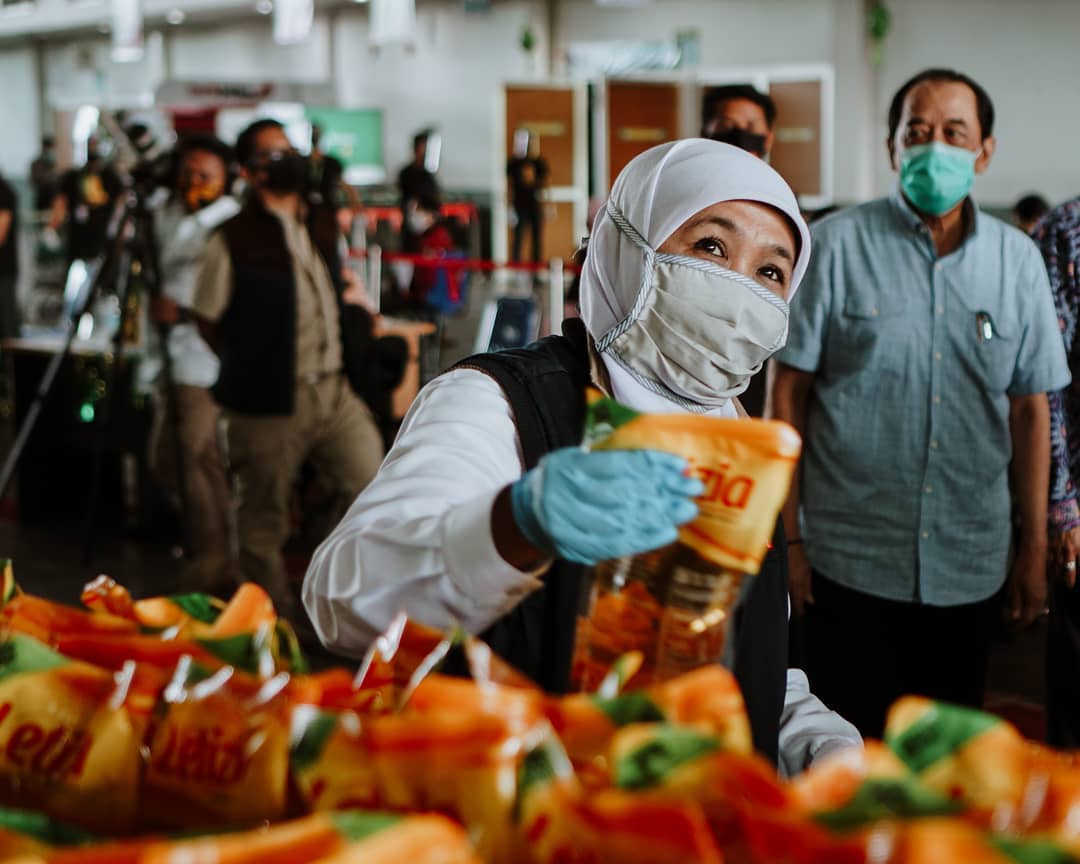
(545, 385)
(256, 336)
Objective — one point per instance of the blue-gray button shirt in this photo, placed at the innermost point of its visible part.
(905, 489)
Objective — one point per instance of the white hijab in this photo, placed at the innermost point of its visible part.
(657, 192)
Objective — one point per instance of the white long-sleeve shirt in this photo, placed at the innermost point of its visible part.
(182, 239)
(419, 538)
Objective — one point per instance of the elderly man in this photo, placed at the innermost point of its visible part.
(922, 348)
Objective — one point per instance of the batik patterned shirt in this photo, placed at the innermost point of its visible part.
(1058, 236)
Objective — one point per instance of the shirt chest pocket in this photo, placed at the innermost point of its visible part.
(871, 335)
(986, 345)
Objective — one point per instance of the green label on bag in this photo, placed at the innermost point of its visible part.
(603, 417)
(20, 655)
(201, 607)
(239, 651)
(903, 798)
(938, 733)
(542, 765)
(630, 708)
(355, 825)
(1034, 851)
(670, 747)
(41, 828)
(317, 732)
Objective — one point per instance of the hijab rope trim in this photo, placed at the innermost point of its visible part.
(623, 224)
(652, 256)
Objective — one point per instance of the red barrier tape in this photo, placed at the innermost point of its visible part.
(438, 263)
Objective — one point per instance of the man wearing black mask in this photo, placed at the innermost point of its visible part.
(740, 115)
(269, 300)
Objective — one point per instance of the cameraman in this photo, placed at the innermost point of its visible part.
(84, 203)
(197, 205)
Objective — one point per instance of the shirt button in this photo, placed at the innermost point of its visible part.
(937, 266)
(940, 310)
(937, 355)
(925, 535)
(934, 444)
(929, 490)
(937, 400)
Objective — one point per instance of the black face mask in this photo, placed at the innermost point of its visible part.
(744, 139)
(284, 172)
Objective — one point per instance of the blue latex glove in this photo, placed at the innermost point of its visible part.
(593, 506)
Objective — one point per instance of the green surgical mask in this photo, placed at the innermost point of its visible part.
(936, 177)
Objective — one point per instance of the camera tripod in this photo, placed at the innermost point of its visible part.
(130, 257)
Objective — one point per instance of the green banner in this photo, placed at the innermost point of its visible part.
(355, 138)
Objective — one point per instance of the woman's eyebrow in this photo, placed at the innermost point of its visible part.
(728, 225)
(718, 221)
(783, 252)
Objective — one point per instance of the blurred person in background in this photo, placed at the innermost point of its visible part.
(84, 203)
(922, 348)
(416, 183)
(1028, 211)
(269, 299)
(197, 206)
(1058, 237)
(433, 241)
(527, 177)
(325, 173)
(45, 175)
(740, 115)
(326, 184)
(9, 260)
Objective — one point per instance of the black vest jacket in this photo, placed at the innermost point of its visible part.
(545, 385)
(256, 336)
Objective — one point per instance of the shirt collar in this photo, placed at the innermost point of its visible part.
(911, 219)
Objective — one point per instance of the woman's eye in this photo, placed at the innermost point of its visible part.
(710, 246)
(773, 274)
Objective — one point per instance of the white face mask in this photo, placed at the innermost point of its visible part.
(418, 221)
(698, 332)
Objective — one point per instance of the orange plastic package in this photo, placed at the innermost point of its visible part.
(244, 632)
(402, 656)
(455, 748)
(326, 838)
(71, 736)
(218, 751)
(560, 821)
(707, 699)
(674, 604)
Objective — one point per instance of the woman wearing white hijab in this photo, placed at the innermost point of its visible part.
(485, 503)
